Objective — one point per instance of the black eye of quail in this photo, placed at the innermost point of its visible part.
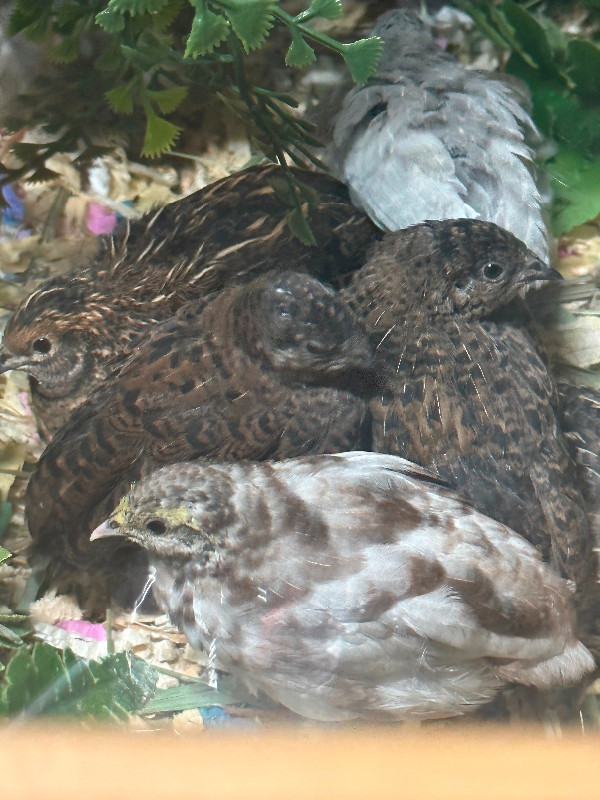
(156, 526)
(42, 345)
(493, 271)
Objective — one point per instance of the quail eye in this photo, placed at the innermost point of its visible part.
(156, 526)
(493, 271)
(42, 345)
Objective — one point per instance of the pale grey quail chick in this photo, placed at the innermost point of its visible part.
(425, 138)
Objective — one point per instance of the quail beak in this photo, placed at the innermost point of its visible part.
(537, 274)
(8, 362)
(106, 529)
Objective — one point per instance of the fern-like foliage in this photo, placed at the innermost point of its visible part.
(153, 57)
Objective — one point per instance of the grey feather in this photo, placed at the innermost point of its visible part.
(428, 139)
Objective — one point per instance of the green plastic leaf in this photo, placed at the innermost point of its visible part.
(329, 9)
(68, 14)
(66, 52)
(135, 7)
(193, 695)
(4, 554)
(299, 54)
(143, 60)
(110, 20)
(208, 31)
(498, 30)
(160, 136)
(251, 20)
(537, 39)
(21, 17)
(575, 181)
(167, 100)
(564, 118)
(362, 57)
(585, 67)
(166, 17)
(120, 99)
(12, 629)
(299, 226)
(111, 58)
(48, 681)
(9, 638)
(5, 517)
(31, 18)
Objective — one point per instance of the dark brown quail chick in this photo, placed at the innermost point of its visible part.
(66, 333)
(350, 586)
(467, 393)
(267, 370)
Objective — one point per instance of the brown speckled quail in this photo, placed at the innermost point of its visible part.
(468, 394)
(66, 333)
(350, 586)
(267, 370)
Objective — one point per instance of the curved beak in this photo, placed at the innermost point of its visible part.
(8, 361)
(536, 275)
(536, 270)
(106, 529)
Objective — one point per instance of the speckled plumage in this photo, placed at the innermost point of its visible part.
(467, 394)
(426, 138)
(580, 419)
(270, 369)
(67, 332)
(350, 586)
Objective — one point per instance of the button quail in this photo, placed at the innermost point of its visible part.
(267, 370)
(467, 393)
(425, 138)
(68, 331)
(350, 586)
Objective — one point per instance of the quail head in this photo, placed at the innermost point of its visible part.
(467, 394)
(67, 332)
(270, 369)
(425, 138)
(350, 586)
